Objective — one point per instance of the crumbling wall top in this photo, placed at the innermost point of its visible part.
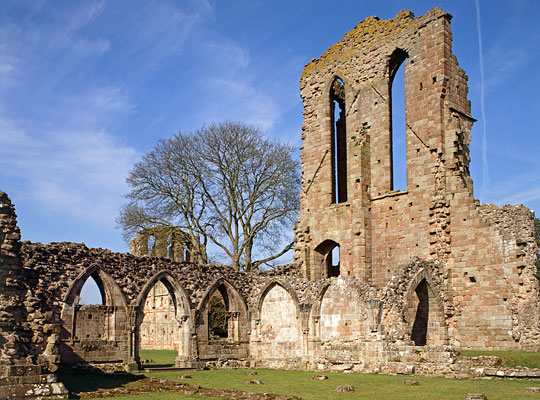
(368, 35)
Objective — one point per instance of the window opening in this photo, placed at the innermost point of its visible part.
(217, 317)
(398, 126)
(151, 244)
(169, 246)
(92, 292)
(163, 333)
(339, 141)
(332, 262)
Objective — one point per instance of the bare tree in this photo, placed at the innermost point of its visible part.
(224, 183)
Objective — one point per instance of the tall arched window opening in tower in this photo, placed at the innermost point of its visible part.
(398, 125)
(339, 141)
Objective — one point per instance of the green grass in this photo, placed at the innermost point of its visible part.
(529, 359)
(300, 383)
(161, 358)
(368, 386)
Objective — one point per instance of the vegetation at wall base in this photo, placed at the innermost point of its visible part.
(529, 359)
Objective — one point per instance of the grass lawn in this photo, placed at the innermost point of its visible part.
(300, 383)
(160, 358)
(529, 359)
(368, 386)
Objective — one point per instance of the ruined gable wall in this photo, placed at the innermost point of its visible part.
(377, 228)
(487, 270)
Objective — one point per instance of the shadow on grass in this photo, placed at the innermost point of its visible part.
(150, 366)
(77, 380)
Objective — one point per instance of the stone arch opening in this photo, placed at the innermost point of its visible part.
(398, 123)
(218, 319)
(338, 129)
(425, 312)
(94, 333)
(235, 316)
(163, 318)
(328, 258)
(170, 247)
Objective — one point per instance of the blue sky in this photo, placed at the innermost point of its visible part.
(87, 87)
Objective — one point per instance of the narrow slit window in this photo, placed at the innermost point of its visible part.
(398, 126)
(339, 141)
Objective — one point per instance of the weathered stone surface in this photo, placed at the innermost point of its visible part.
(23, 367)
(345, 388)
(476, 396)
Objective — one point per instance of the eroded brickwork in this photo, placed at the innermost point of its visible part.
(26, 360)
(486, 270)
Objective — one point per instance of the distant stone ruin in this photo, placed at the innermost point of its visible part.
(384, 280)
(166, 242)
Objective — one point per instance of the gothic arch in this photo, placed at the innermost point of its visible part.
(183, 314)
(278, 323)
(236, 308)
(176, 290)
(278, 282)
(424, 310)
(93, 326)
(110, 290)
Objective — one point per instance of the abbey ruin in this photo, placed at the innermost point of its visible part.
(384, 280)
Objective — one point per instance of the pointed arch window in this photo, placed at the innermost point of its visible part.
(339, 141)
(398, 124)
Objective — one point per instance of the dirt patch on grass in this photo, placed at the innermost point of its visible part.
(152, 385)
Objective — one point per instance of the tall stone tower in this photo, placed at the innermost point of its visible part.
(353, 222)
(348, 199)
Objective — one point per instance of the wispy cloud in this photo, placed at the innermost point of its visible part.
(68, 172)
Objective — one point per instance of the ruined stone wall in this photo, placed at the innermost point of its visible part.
(166, 242)
(63, 268)
(487, 266)
(26, 359)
